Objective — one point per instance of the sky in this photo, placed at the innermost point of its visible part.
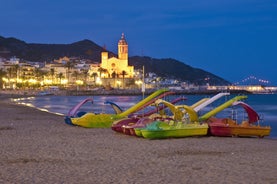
(233, 39)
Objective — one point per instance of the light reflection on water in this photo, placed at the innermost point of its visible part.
(265, 105)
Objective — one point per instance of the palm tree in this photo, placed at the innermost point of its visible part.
(2, 74)
(75, 74)
(16, 69)
(69, 65)
(123, 73)
(101, 70)
(39, 74)
(106, 72)
(85, 74)
(60, 76)
(94, 75)
(113, 74)
(9, 75)
(52, 73)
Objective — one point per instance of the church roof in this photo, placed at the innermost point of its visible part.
(122, 41)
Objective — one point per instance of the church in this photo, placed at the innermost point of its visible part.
(118, 67)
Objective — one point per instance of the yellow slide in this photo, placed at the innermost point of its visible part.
(142, 102)
(221, 107)
(177, 110)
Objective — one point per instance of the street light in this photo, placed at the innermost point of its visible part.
(98, 81)
(118, 83)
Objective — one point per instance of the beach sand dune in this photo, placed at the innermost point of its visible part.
(37, 147)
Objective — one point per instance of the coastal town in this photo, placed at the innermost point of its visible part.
(139, 92)
(73, 75)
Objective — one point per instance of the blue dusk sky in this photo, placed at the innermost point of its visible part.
(233, 39)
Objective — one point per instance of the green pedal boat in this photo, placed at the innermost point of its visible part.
(162, 130)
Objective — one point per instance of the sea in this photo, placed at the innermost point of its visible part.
(264, 104)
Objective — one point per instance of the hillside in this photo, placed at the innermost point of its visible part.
(170, 67)
(86, 49)
(48, 52)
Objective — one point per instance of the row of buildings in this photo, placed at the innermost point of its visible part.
(112, 72)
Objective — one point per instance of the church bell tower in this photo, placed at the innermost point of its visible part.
(122, 48)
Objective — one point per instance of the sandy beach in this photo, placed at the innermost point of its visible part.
(38, 147)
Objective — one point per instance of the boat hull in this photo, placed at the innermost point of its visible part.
(176, 132)
(222, 128)
(90, 120)
(252, 131)
(138, 132)
(141, 123)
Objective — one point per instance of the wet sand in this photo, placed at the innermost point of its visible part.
(38, 147)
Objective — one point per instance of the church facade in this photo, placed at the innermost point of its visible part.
(117, 67)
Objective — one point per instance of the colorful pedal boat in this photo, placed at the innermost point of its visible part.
(248, 128)
(226, 127)
(162, 130)
(128, 125)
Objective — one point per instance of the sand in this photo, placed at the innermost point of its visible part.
(38, 147)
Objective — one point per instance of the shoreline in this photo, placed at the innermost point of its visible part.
(98, 92)
(8, 98)
(38, 147)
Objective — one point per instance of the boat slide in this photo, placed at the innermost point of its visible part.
(143, 103)
(199, 102)
(153, 100)
(177, 112)
(72, 112)
(191, 110)
(119, 110)
(159, 108)
(253, 116)
(180, 111)
(221, 107)
(209, 101)
(115, 107)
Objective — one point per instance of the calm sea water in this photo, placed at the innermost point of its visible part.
(265, 105)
